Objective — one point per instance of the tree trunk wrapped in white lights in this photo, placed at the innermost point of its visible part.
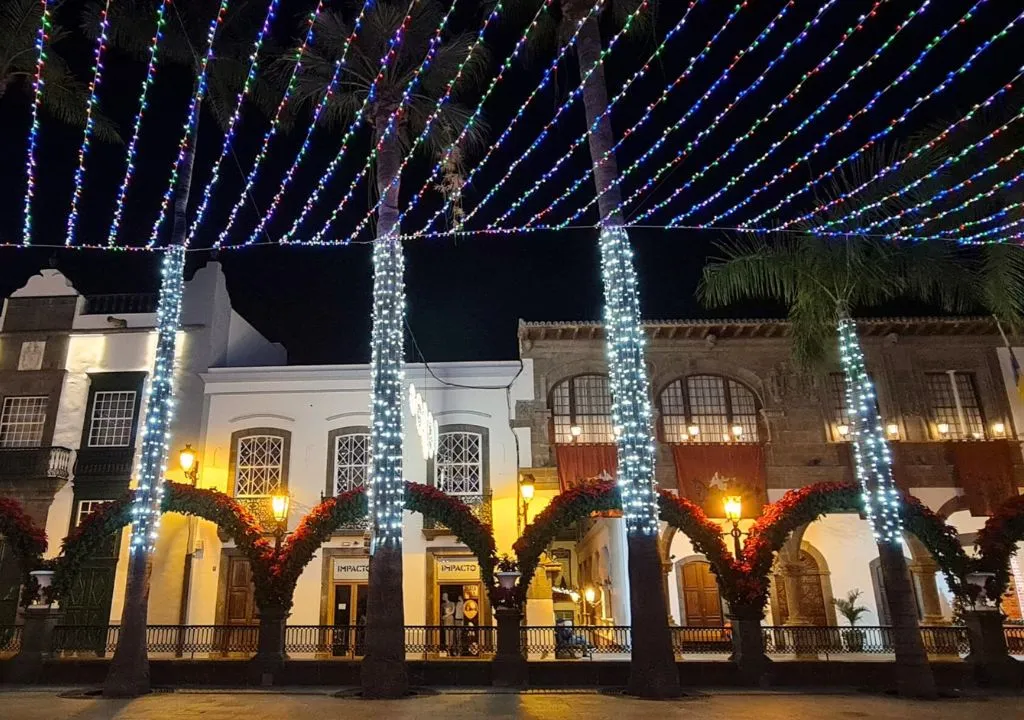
(873, 467)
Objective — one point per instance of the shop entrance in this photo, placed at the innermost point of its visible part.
(458, 612)
(349, 620)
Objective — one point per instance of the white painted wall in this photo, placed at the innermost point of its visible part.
(311, 401)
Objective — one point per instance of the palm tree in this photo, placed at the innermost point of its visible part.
(66, 97)
(653, 671)
(383, 669)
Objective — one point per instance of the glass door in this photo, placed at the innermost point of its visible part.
(340, 645)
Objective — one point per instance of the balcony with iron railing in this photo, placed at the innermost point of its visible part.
(36, 462)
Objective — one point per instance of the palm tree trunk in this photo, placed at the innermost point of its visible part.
(383, 671)
(128, 675)
(653, 671)
(874, 472)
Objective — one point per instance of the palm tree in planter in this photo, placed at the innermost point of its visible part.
(358, 96)
(850, 610)
(653, 672)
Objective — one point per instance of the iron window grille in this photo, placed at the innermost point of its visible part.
(351, 461)
(259, 468)
(22, 421)
(955, 406)
(113, 416)
(583, 402)
(458, 468)
(711, 404)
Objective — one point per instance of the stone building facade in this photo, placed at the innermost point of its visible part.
(735, 416)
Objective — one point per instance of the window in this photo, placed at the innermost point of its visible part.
(955, 408)
(113, 415)
(259, 467)
(351, 461)
(837, 395)
(583, 403)
(22, 421)
(459, 468)
(708, 408)
(87, 508)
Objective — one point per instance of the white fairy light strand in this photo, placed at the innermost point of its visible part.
(628, 382)
(872, 456)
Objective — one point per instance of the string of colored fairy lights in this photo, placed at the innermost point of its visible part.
(931, 144)
(42, 35)
(395, 117)
(713, 125)
(967, 224)
(904, 189)
(332, 86)
(722, 78)
(781, 104)
(93, 89)
(823, 229)
(818, 146)
(129, 173)
(884, 132)
(394, 43)
(195, 103)
(268, 136)
(475, 116)
(229, 135)
(549, 74)
(576, 93)
(1001, 185)
(638, 75)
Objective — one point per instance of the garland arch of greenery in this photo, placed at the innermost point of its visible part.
(997, 542)
(26, 540)
(807, 504)
(213, 505)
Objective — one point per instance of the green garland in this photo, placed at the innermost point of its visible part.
(997, 542)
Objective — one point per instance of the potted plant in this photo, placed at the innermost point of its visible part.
(850, 610)
(507, 572)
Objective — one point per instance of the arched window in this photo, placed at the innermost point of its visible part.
(459, 464)
(581, 408)
(348, 459)
(259, 460)
(708, 408)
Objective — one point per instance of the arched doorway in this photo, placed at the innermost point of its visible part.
(812, 581)
(700, 600)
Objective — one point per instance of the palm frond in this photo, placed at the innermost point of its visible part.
(750, 267)
(1002, 283)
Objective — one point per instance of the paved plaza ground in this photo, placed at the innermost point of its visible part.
(38, 704)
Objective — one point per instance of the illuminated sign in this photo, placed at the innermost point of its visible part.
(426, 425)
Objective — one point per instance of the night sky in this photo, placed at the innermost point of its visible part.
(465, 295)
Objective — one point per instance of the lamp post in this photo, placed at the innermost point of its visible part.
(733, 512)
(526, 490)
(589, 595)
(189, 462)
(279, 505)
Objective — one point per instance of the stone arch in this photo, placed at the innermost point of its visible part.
(802, 506)
(794, 552)
(224, 511)
(954, 504)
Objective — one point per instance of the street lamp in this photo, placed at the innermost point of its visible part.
(733, 512)
(589, 595)
(279, 506)
(526, 490)
(189, 462)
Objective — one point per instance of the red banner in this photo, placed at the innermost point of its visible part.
(580, 463)
(708, 473)
(984, 470)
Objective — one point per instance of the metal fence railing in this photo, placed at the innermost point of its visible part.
(10, 639)
(168, 640)
(566, 642)
(562, 642)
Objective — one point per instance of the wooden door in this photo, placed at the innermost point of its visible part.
(240, 605)
(812, 597)
(702, 603)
